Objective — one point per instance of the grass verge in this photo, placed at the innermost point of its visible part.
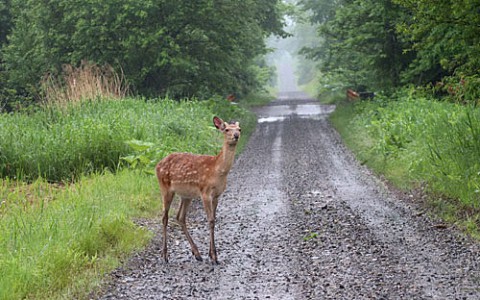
(64, 143)
(55, 240)
(414, 141)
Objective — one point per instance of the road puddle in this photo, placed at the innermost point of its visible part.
(270, 119)
(278, 113)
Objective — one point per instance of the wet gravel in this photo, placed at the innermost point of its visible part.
(301, 219)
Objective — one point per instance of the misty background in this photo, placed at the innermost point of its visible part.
(294, 71)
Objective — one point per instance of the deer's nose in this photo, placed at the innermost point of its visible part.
(236, 136)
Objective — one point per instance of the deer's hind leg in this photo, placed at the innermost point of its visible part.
(167, 198)
(182, 219)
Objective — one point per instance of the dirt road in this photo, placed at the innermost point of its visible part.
(301, 219)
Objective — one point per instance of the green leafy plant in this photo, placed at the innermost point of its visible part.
(310, 236)
(145, 156)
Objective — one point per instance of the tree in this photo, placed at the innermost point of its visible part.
(445, 35)
(360, 44)
(183, 48)
(5, 21)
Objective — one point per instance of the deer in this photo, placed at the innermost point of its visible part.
(194, 176)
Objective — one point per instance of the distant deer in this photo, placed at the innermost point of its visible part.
(197, 176)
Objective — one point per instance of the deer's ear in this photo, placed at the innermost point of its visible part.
(219, 123)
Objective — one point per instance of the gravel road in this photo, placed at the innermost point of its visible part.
(301, 219)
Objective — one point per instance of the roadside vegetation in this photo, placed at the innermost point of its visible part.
(63, 143)
(421, 144)
(57, 240)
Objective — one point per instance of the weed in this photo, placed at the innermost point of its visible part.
(86, 82)
(310, 236)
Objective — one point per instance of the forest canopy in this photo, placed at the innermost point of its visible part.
(386, 44)
(181, 48)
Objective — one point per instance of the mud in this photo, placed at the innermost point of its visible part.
(301, 219)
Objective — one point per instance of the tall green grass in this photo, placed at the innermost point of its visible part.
(61, 144)
(414, 140)
(53, 238)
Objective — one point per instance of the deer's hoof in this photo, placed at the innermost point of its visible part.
(214, 260)
(198, 258)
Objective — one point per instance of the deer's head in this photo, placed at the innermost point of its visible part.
(230, 130)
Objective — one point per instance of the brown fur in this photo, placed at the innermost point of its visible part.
(197, 176)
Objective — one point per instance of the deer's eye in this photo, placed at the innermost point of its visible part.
(227, 130)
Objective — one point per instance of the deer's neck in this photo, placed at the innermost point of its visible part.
(225, 159)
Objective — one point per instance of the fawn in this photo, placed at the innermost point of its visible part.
(197, 176)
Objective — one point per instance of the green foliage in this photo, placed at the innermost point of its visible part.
(445, 36)
(459, 89)
(5, 21)
(383, 45)
(358, 43)
(145, 155)
(63, 143)
(180, 48)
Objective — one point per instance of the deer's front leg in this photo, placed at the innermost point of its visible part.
(210, 205)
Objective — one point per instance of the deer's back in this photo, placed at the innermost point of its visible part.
(186, 174)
